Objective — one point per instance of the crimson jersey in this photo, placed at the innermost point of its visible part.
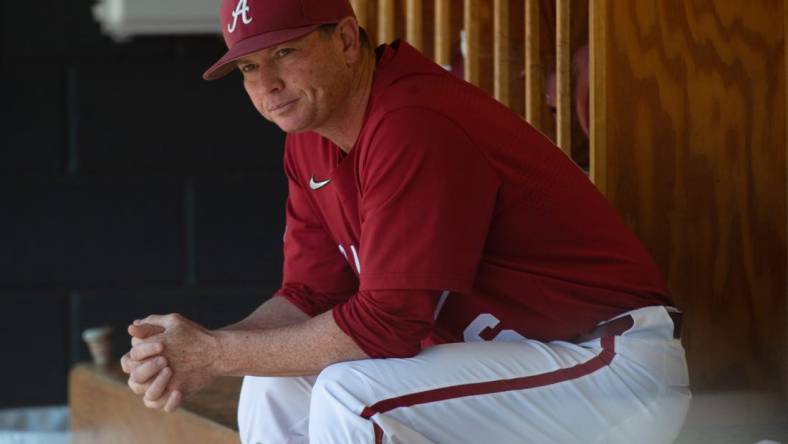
(448, 192)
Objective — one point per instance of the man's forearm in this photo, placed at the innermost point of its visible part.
(273, 313)
(299, 349)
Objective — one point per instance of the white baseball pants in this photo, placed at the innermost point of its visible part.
(616, 389)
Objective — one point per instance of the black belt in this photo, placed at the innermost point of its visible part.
(622, 324)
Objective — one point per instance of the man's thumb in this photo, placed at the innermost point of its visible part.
(144, 330)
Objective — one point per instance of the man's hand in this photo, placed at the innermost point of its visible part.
(188, 350)
(151, 376)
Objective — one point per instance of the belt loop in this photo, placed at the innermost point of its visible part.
(678, 319)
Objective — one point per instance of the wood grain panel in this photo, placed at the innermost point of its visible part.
(563, 71)
(472, 41)
(386, 21)
(502, 63)
(534, 101)
(598, 39)
(414, 24)
(689, 109)
(443, 37)
(361, 8)
(515, 54)
(104, 410)
(785, 81)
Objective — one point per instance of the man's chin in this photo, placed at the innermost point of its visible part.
(292, 127)
(284, 124)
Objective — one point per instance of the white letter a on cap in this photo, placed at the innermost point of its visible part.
(241, 9)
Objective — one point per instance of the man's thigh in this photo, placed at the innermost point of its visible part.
(505, 391)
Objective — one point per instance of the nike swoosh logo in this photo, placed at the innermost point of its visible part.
(317, 185)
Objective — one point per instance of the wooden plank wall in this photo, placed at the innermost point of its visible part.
(688, 142)
(498, 35)
(687, 138)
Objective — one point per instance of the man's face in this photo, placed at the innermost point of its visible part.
(299, 84)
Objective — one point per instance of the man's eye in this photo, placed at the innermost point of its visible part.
(248, 67)
(283, 52)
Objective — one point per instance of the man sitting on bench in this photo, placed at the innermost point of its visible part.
(450, 276)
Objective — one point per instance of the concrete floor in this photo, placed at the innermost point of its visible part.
(714, 418)
(35, 425)
(735, 418)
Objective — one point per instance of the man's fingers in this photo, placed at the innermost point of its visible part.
(157, 387)
(142, 331)
(138, 389)
(158, 320)
(146, 319)
(173, 401)
(158, 404)
(125, 363)
(169, 403)
(145, 350)
(128, 364)
(148, 369)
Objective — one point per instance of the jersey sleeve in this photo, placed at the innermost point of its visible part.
(388, 323)
(427, 201)
(315, 275)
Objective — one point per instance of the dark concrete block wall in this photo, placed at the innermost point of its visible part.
(128, 186)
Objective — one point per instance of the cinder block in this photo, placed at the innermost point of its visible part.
(239, 224)
(32, 29)
(88, 232)
(161, 117)
(33, 337)
(33, 115)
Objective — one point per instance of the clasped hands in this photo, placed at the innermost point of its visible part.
(170, 358)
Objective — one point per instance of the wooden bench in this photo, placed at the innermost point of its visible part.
(103, 410)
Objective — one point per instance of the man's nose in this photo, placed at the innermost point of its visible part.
(269, 81)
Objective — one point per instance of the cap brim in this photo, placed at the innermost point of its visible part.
(252, 44)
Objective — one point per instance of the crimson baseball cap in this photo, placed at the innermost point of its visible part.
(251, 25)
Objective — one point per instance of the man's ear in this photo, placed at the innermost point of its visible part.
(347, 30)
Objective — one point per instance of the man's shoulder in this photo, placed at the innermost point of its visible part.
(407, 78)
(425, 89)
(442, 94)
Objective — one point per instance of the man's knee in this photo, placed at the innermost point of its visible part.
(338, 398)
(345, 386)
(335, 382)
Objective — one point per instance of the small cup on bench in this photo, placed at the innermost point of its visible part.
(99, 344)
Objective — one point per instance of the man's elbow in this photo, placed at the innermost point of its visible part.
(396, 349)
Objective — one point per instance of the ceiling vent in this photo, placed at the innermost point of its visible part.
(123, 19)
